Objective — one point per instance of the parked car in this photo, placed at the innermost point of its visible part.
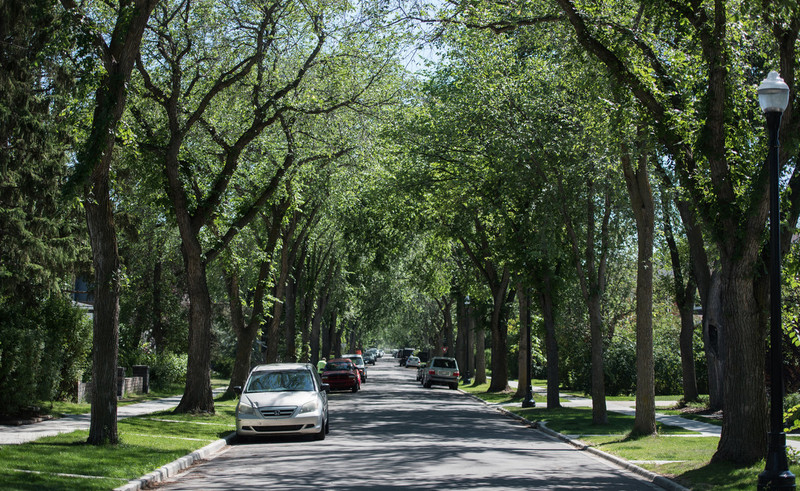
(283, 398)
(341, 374)
(358, 361)
(412, 362)
(369, 358)
(441, 371)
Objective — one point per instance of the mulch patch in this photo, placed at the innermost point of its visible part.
(700, 411)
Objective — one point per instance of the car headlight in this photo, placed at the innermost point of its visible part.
(309, 407)
(246, 409)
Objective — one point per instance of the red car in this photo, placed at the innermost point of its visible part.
(341, 374)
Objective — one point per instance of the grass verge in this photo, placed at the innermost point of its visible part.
(147, 443)
(673, 453)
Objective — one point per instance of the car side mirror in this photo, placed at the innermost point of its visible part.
(237, 390)
(326, 387)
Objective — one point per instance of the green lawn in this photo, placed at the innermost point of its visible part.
(147, 443)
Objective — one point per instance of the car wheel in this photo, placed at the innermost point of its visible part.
(454, 386)
(427, 385)
(355, 388)
(327, 426)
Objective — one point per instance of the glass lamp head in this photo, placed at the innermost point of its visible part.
(773, 93)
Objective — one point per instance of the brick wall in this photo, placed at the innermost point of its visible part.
(129, 385)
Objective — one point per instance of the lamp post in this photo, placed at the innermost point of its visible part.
(467, 351)
(773, 96)
(528, 401)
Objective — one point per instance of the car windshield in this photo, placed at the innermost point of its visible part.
(444, 363)
(338, 365)
(280, 381)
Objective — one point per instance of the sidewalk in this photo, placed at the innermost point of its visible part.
(13, 435)
(629, 408)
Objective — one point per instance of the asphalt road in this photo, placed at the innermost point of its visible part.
(396, 434)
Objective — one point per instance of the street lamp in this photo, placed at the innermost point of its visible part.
(528, 401)
(773, 96)
(467, 350)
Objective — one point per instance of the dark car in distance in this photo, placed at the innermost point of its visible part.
(403, 355)
(341, 374)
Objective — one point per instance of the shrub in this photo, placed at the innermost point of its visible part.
(791, 411)
(166, 369)
(44, 351)
(620, 367)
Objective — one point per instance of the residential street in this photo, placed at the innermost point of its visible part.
(396, 434)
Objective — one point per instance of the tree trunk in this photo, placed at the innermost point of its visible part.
(94, 159)
(437, 335)
(599, 414)
(447, 344)
(316, 324)
(306, 314)
(522, 363)
(470, 347)
(242, 356)
(686, 309)
(289, 321)
(480, 350)
(351, 339)
(245, 333)
(105, 344)
(460, 353)
(592, 278)
(197, 396)
(714, 339)
(273, 333)
(158, 311)
(684, 297)
(641, 195)
(329, 336)
(280, 292)
(302, 311)
(499, 331)
(551, 344)
(745, 396)
(337, 342)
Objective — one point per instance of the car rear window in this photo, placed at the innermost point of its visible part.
(339, 365)
(442, 363)
(280, 381)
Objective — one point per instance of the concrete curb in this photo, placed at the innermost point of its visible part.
(656, 479)
(177, 466)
